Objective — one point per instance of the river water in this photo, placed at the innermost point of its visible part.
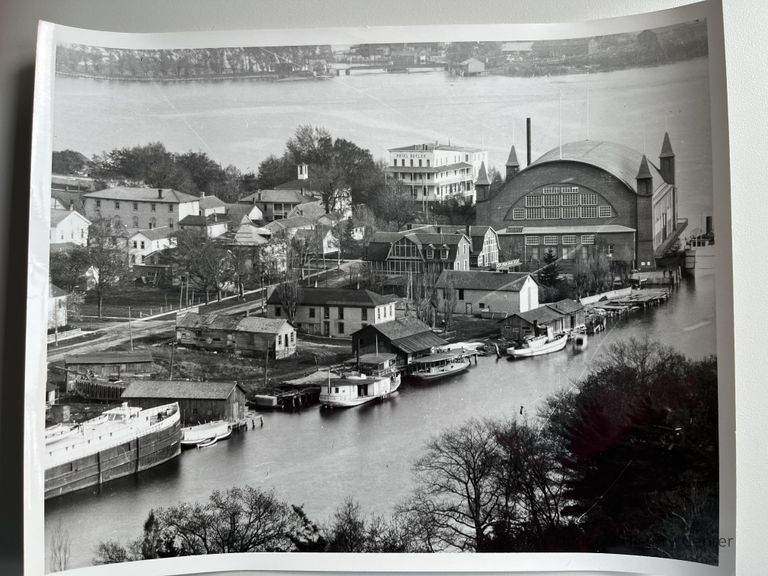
(242, 122)
(316, 458)
(319, 458)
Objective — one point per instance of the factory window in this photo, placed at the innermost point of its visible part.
(589, 211)
(551, 200)
(550, 190)
(605, 212)
(570, 212)
(533, 201)
(531, 240)
(550, 240)
(588, 239)
(589, 199)
(552, 213)
(533, 213)
(569, 239)
(571, 190)
(570, 200)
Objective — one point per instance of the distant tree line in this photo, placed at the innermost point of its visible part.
(626, 461)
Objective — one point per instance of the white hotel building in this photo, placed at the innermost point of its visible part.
(437, 172)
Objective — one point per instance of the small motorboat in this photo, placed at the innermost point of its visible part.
(538, 345)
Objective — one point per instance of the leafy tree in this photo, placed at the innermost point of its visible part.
(273, 171)
(205, 262)
(67, 267)
(393, 206)
(550, 272)
(455, 210)
(108, 257)
(70, 162)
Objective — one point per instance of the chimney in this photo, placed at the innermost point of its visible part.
(528, 139)
(202, 194)
(159, 192)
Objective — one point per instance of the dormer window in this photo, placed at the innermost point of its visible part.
(430, 253)
(444, 253)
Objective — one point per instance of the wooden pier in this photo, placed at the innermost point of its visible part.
(636, 300)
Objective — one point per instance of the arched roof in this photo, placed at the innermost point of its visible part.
(616, 159)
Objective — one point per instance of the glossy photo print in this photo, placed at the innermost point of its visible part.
(418, 292)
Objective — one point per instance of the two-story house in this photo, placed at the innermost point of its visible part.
(211, 205)
(141, 208)
(495, 293)
(68, 227)
(145, 242)
(418, 252)
(211, 226)
(334, 312)
(485, 242)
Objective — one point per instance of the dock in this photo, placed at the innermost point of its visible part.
(635, 300)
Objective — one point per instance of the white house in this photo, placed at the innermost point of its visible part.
(68, 226)
(144, 242)
(334, 312)
(57, 307)
(243, 214)
(478, 291)
(141, 208)
(211, 226)
(211, 205)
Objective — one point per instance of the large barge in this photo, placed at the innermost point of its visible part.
(119, 442)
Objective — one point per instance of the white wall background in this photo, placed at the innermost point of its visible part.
(746, 36)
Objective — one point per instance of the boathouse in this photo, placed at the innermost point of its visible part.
(407, 338)
(108, 366)
(488, 293)
(539, 321)
(572, 311)
(249, 335)
(198, 401)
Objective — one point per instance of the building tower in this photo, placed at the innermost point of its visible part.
(667, 161)
(482, 184)
(513, 166)
(644, 258)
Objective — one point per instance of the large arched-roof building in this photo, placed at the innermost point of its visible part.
(583, 199)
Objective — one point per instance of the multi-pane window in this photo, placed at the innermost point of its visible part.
(531, 240)
(170, 207)
(326, 312)
(518, 214)
(550, 240)
(117, 204)
(589, 199)
(98, 203)
(569, 239)
(135, 206)
(364, 314)
(551, 190)
(605, 212)
(610, 250)
(533, 201)
(430, 253)
(153, 207)
(589, 211)
(533, 213)
(571, 190)
(570, 200)
(570, 212)
(551, 200)
(552, 213)
(587, 238)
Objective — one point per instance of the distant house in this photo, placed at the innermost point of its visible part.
(407, 338)
(109, 366)
(211, 205)
(239, 214)
(515, 51)
(289, 226)
(249, 235)
(249, 335)
(418, 252)
(485, 242)
(470, 67)
(57, 307)
(334, 312)
(276, 204)
(145, 242)
(68, 227)
(76, 184)
(198, 401)
(312, 210)
(141, 208)
(572, 311)
(495, 292)
(320, 242)
(211, 226)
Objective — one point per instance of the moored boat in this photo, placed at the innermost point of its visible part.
(437, 366)
(377, 378)
(579, 342)
(195, 435)
(538, 345)
(119, 442)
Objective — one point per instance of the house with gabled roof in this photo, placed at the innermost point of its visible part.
(57, 307)
(250, 335)
(68, 226)
(407, 338)
(144, 242)
(211, 226)
(141, 208)
(334, 312)
(199, 402)
(239, 214)
(210, 204)
(491, 293)
(485, 241)
(417, 252)
(544, 320)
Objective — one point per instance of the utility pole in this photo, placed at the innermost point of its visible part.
(130, 328)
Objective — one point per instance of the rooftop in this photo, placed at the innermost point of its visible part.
(154, 233)
(408, 334)
(175, 389)
(540, 315)
(211, 202)
(252, 324)
(479, 280)
(586, 229)
(565, 306)
(434, 146)
(282, 196)
(336, 297)
(115, 357)
(429, 169)
(58, 215)
(159, 195)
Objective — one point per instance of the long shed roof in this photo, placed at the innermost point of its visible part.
(181, 390)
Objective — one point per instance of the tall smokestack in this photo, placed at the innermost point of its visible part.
(528, 140)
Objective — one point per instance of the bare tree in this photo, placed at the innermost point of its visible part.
(448, 297)
(107, 255)
(60, 547)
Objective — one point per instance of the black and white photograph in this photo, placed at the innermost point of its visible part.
(428, 295)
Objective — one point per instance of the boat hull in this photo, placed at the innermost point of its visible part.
(192, 436)
(548, 348)
(337, 401)
(131, 457)
(440, 374)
